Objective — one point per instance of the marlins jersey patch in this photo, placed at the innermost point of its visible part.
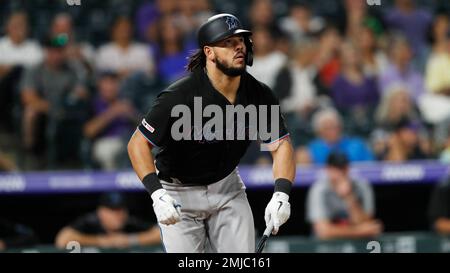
(147, 126)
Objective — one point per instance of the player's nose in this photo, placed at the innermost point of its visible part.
(240, 45)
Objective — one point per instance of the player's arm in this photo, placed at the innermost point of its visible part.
(140, 153)
(154, 130)
(278, 210)
(283, 161)
(167, 210)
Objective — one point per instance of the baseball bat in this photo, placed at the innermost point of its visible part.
(266, 235)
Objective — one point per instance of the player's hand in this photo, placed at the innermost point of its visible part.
(278, 210)
(167, 210)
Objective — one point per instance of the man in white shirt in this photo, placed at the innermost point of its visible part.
(122, 55)
(15, 48)
(16, 52)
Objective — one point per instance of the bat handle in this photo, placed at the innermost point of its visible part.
(268, 229)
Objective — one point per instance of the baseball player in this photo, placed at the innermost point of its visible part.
(198, 196)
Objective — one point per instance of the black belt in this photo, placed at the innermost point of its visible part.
(165, 177)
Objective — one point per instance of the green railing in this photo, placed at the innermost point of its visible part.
(418, 242)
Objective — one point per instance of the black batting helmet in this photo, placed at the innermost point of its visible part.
(221, 26)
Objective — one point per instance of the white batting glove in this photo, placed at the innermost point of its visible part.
(167, 210)
(278, 210)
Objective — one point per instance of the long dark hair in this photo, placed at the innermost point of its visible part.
(197, 59)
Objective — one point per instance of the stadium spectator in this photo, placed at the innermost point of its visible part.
(400, 69)
(54, 101)
(122, 54)
(203, 10)
(191, 14)
(436, 77)
(110, 226)
(413, 23)
(374, 60)
(6, 164)
(328, 127)
(339, 206)
(435, 104)
(396, 104)
(17, 53)
(407, 143)
(16, 48)
(356, 12)
(261, 15)
(351, 88)
(300, 23)
(295, 82)
(439, 207)
(442, 140)
(112, 122)
(297, 92)
(444, 157)
(170, 50)
(147, 15)
(76, 51)
(267, 61)
(328, 62)
(354, 94)
(14, 235)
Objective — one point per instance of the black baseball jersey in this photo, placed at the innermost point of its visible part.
(197, 160)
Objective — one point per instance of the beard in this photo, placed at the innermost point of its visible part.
(228, 70)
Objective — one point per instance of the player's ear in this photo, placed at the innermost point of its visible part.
(209, 53)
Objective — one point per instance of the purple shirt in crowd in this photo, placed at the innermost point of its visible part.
(413, 25)
(346, 94)
(411, 78)
(146, 15)
(117, 127)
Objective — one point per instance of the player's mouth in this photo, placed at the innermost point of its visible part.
(239, 56)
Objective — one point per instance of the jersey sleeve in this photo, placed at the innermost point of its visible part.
(155, 126)
(269, 99)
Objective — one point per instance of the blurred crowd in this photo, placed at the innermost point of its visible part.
(371, 82)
